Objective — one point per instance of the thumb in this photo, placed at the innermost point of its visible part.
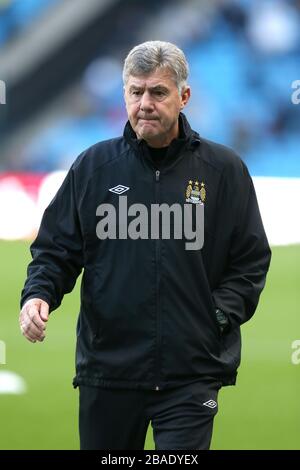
(44, 310)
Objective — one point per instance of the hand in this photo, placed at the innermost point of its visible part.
(222, 320)
(33, 318)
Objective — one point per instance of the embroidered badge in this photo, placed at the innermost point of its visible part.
(195, 193)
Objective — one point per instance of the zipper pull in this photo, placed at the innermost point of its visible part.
(157, 174)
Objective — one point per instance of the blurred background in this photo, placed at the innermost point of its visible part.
(60, 92)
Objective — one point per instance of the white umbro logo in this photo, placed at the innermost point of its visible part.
(120, 189)
(210, 404)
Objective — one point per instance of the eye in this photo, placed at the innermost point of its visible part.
(160, 94)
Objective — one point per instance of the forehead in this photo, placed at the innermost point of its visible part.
(162, 77)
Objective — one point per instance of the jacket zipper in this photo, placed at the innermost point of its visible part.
(157, 258)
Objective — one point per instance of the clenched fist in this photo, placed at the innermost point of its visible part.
(33, 318)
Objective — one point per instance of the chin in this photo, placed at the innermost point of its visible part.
(148, 134)
(144, 134)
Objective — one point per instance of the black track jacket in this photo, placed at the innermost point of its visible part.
(147, 317)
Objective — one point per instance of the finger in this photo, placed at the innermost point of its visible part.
(28, 335)
(44, 311)
(32, 337)
(34, 314)
(30, 329)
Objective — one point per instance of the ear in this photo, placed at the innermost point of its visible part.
(185, 96)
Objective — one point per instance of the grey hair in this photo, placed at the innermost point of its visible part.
(145, 58)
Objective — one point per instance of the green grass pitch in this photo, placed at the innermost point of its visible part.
(261, 412)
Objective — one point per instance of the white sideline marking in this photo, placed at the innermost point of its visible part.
(278, 200)
(12, 383)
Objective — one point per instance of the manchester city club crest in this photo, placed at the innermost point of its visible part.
(195, 192)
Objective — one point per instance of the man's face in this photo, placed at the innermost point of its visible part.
(153, 104)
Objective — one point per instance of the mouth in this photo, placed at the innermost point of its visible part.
(147, 119)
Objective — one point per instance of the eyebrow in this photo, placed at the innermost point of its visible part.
(153, 88)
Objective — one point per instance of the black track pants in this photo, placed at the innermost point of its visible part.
(182, 417)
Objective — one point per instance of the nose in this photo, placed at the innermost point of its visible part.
(146, 103)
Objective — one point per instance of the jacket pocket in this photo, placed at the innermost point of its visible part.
(212, 311)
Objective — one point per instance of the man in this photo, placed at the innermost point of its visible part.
(158, 332)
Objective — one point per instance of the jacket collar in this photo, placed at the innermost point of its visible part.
(187, 140)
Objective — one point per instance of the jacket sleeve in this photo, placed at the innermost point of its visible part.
(57, 252)
(249, 255)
